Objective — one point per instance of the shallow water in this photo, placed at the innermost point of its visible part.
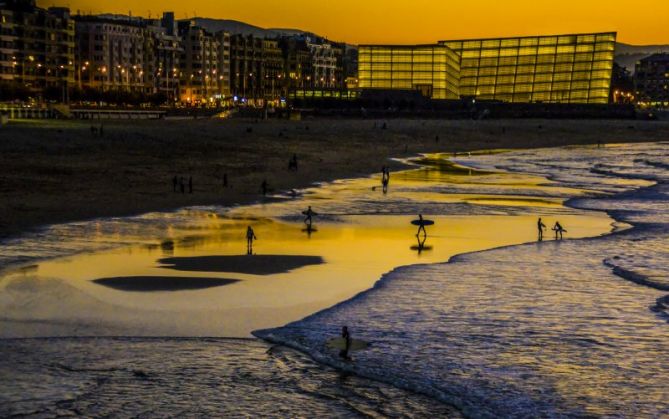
(360, 234)
(542, 329)
(124, 377)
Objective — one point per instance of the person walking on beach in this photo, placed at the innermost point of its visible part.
(421, 226)
(175, 182)
(182, 184)
(541, 227)
(385, 179)
(250, 236)
(264, 187)
(309, 214)
(347, 336)
(558, 230)
(225, 180)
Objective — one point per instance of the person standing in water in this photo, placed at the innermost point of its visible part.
(347, 336)
(385, 179)
(309, 214)
(541, 227)
(558, 230)
(421, 226)
(250, 236)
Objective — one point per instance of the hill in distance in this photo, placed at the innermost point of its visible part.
(626, 55)
(242, 28)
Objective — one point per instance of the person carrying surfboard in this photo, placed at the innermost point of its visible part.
(558, 229)
(345, 344)
(421, 225)
(309, 214)
(347, 337)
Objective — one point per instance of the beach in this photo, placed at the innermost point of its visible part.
(188, 272)
(59, 171)
(479, 319)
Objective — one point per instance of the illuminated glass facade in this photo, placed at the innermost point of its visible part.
(564, 69)
(432, 69)
(558, 69)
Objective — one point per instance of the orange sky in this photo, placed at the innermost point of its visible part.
(416, 21)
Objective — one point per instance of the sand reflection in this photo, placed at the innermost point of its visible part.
(196, 280)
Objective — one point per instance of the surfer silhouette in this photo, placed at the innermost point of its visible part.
(558, 229)
(421, 226)
(309, 214)
(347, 336)
(250, 236)
(541, 227)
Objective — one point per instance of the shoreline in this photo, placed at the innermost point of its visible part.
(453, 401)
(439, 396)
(298, 309)
(56, 172)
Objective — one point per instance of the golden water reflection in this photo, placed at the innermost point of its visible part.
(356, 250)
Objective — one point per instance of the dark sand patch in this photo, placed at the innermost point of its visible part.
(38, 157)
(162, 283)
(254, 264)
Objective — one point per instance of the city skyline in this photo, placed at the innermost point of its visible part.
(368, 22)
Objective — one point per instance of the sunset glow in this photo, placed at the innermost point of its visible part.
(420, 21)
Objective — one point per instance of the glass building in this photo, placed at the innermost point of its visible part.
(559, 69)
(432, 69)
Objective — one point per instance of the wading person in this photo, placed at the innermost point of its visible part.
(558, 230)
(250, 236)
(421, 226)
(347, 337)
(309, 214)
(541, 227)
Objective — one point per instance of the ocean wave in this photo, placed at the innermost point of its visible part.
(525, 330)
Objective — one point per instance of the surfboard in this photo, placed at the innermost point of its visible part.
(307, 213)
(424, 222)
(340, 343)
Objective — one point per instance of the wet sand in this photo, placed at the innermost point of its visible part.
(57, 171)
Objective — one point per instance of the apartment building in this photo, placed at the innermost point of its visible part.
(36, 47)
(199, 64)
